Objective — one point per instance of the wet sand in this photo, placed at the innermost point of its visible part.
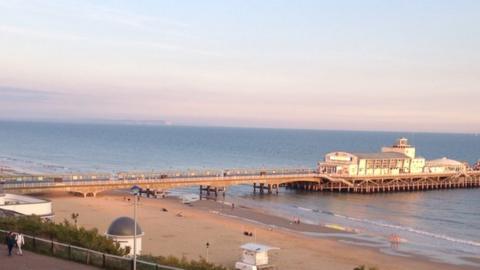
(184, 231)
(257, 216)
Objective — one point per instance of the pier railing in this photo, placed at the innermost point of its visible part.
(131, 181)
(86, 256)
(324, 182)
(153, 174)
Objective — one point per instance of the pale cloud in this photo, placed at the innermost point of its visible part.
(220, 65)
(123, 17)
(84, 11)
(165, 34)
(55, 35)
(35, 33)
(14, 94)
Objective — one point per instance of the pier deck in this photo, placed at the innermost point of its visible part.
(262, 181)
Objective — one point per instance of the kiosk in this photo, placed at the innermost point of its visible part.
(255, 257)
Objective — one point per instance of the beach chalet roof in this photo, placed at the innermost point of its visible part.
(257, 247)
(380, 155)
(123, 226)
(443, 162)
(9, 213)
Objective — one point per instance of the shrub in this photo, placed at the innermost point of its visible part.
(61, 232)
(200, 264)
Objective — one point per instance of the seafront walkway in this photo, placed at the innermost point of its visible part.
(68, 254)
(32, 261)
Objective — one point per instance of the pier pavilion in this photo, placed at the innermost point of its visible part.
(398, 159)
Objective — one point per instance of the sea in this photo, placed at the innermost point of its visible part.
(441, 225)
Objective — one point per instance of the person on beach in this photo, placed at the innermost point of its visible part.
(394, 240)
(10, 241)
(20, 242)
(296, 220)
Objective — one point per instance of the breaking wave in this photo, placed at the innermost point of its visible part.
(396, 227)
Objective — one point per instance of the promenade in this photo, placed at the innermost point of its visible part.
(32, 261)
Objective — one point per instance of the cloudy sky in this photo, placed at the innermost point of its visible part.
(355, 65)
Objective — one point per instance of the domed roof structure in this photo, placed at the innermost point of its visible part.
(123, 226)
(444, 162)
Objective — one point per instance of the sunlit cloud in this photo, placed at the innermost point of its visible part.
(26, 32)
(13, 94)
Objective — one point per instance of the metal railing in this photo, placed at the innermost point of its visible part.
(246, 176)
(152, 174)
(79, 183)
(86, 256)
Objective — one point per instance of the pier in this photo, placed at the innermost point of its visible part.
(394, 169)
(90, 185)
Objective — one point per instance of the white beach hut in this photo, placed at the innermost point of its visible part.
(254, 257)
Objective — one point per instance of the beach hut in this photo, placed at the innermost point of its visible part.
(255, 257)
(122, 231)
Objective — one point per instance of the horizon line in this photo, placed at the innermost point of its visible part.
(166, 123)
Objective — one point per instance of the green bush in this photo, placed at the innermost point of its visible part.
(61, 232)
(200, 264)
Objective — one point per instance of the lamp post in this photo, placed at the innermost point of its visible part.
(135, 190)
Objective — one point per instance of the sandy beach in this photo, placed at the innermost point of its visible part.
(184, 230)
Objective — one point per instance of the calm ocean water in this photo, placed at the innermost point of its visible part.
(443, 225)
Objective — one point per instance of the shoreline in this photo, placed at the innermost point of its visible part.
(319, 231)
(262, 217)
(11, 166)
(7, 170)
(184, 234)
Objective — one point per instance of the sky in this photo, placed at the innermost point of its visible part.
(344, 65)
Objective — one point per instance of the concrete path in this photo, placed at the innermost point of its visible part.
(32, 261)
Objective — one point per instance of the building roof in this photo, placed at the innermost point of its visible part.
(381, 155)
(402, 143)
(257, 247)
(444, 162)
(123, 226)
(9, 213)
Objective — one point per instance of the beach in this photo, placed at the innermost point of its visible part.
(184, 230)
